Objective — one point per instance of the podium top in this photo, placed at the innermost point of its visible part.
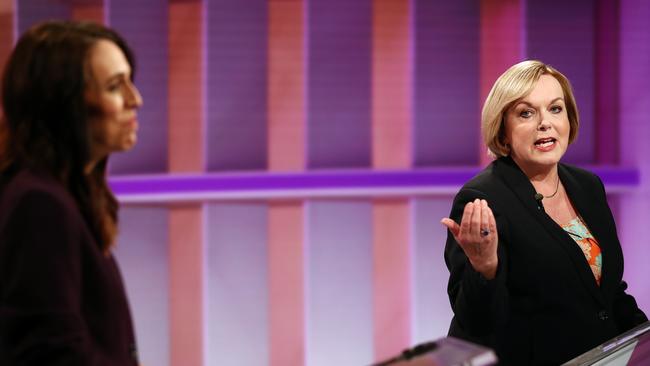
(630, 348)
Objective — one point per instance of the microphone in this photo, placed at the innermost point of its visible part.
(539, 197)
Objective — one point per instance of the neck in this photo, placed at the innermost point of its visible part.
(545, 179)
(95, 158)
(540, 175)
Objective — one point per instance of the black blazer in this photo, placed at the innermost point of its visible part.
(62, 301)
(544, 306)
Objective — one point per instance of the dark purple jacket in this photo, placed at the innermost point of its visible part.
(62, 301)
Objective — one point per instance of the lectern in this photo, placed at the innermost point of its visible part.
(447, 351)
(631, 348)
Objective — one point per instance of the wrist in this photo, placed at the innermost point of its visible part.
(487, 269)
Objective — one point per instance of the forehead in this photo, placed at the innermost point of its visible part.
(106, 59)
(545, 89)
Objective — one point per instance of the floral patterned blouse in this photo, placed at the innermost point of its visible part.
(577, 229)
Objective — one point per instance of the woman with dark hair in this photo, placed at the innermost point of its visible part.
(69, 101)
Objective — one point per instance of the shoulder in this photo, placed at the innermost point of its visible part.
(488, 181)
(579, 173)
(582, 178)
(37, 194)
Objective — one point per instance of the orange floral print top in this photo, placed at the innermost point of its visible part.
(577, 229)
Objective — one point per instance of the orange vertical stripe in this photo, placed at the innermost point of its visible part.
(286, 126)
(391, 85)
(286, 284)
(186, 127)
(186, 267)
(91, 12)
(186, 154)
(6, 32)
(286, 86)
(501, 47)
(391, 149)
(392, 277)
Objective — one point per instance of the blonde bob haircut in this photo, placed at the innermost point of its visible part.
(512, 86)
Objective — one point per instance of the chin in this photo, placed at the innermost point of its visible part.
(129, 143)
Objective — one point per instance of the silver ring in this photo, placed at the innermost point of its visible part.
(485, 232)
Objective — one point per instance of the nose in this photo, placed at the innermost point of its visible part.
(544, 123)
(133, 96)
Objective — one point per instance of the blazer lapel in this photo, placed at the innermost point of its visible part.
(521, 186)
(585, 202)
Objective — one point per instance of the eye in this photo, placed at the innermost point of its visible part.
(114, 86)
(526, 113)
(556, 109)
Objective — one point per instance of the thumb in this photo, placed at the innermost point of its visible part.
(451, 225)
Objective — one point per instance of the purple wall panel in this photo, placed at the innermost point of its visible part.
(561, 33)
(447, 117)
(236, 84)
(634, 211)
(142, 253)
(339, 283)
(144, 25)
(432, 313)
(339, 83)
(236, 282)
(30, 12)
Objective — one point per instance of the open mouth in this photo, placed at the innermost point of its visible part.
(545, 142)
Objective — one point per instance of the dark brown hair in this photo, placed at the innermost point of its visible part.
(46, 117)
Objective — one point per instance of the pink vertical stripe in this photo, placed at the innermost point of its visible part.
(286, 152)
(391, 85)
(286, 284)
(186, 267)
(286, 86)
(186, 154)
(392, 277)
(186, 127)
(90, 12)
(502, 36)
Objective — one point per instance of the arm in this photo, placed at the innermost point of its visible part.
(477, 264)
(41, 318)
(626, 311)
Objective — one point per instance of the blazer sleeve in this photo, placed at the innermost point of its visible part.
(41, 319)
(626, 311)
(478, 303)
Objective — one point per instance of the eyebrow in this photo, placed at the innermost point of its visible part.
(115, 77)
(530, 105)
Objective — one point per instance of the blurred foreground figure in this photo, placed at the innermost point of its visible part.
(69, 102)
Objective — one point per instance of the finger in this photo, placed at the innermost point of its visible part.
(467, 217)
(485, 218)
(453, 227)
(476, 218)
(492, 222)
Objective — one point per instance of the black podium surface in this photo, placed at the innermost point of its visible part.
(630, 348)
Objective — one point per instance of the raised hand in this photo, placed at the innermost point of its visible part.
(477, 236)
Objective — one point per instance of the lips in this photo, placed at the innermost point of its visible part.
(132, 122)
(544, 142)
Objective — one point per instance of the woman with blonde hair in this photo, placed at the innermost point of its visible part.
(535, 262)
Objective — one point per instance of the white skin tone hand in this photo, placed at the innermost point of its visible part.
(481, 250)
